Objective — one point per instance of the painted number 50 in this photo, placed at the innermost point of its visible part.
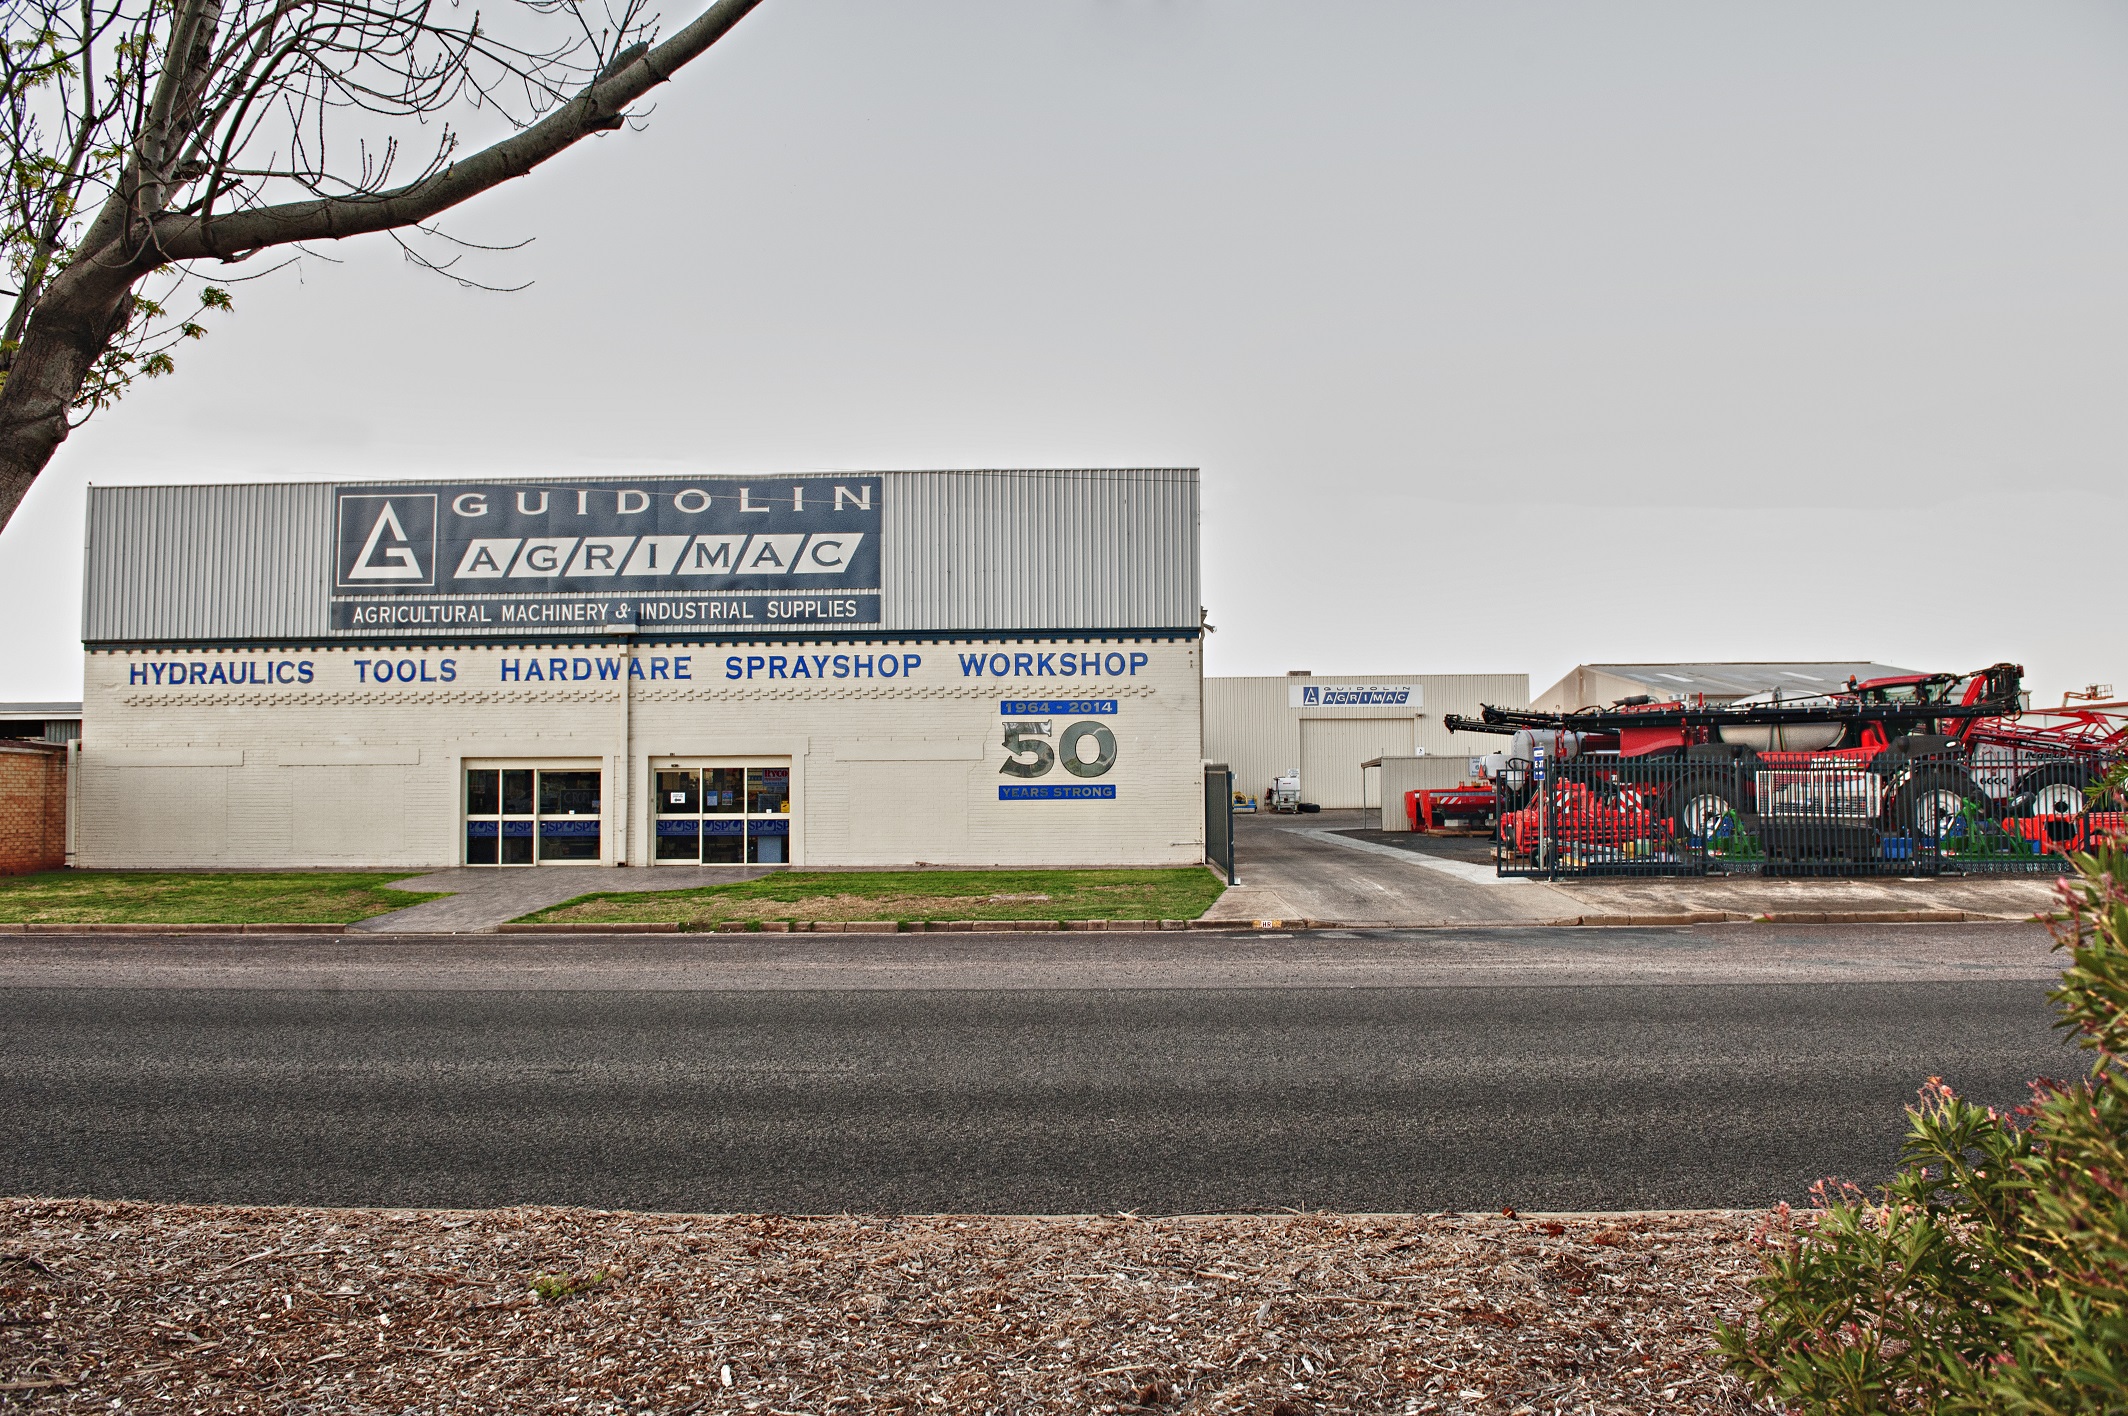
(1031, 755)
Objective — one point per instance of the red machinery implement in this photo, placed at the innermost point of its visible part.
(1432, 808)
(1873, 771)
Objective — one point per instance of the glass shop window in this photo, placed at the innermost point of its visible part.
(521, 815)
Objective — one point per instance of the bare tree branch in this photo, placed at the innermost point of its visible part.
(143, 137)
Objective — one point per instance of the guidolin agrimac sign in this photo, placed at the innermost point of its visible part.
(716, 553)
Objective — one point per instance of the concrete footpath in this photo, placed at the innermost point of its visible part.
(1334, 865)
(482, 899)
(1494, 956)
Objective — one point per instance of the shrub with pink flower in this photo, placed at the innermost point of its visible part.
(1991, 1274)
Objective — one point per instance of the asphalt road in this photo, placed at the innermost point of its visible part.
(861, 1082)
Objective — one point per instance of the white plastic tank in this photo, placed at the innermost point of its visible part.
(1785, 737)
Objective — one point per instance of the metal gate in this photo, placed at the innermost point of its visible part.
(1219, 818)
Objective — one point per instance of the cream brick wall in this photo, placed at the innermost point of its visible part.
(306, 760)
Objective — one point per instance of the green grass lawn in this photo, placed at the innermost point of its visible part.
(184, 897)
(908, 896)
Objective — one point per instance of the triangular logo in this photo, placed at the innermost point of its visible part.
(399, 562)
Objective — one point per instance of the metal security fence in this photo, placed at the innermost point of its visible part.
(1732, 811)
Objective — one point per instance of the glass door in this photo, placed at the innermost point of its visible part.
(723, 815)
(523, 815)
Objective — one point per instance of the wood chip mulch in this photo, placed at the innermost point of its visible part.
(135, 1307)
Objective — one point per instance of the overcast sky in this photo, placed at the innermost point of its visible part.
(1508, 336)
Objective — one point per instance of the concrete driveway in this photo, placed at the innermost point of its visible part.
(1302, 867)
(1336, 865)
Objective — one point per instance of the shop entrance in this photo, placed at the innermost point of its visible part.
(723, 815)
(527, 815)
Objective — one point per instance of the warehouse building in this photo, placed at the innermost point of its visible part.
(1339, 731)
(981, 668)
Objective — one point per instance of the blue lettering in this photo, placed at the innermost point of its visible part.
(449, 669)
(533, 673)
(754, 662)
(1023, 665)
(680, 669)
(820, 666)
(659, 668)
(1044, 666)
(889, 666)
(284, 672)
(910, 663)
(635, 668)
(861, 665)
(582, 668)
(799, 667)
(558, 670)
(361, 671)
(971, 666)
(732, 667)
(842, 666)
(776, 665)
(1139, 661)
(609, 668)
(303, 674)
(138, 673)
(1115, 664)
(1000, 665)
(425, 678)
(509, 670)
(219, 674)
(199, 672)
(408, 671)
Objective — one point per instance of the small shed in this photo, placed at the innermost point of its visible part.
(1390, 777)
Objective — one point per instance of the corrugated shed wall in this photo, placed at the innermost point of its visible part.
(977, 551)
(1042, 550)
(247, 561)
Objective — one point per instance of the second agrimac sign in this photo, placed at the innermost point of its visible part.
(521, 557)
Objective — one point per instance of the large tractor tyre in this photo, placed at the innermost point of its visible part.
(1708, 806)
(1930, 802)
(1901, 753)
(2055, 790)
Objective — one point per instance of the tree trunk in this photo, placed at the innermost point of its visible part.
(76, 321)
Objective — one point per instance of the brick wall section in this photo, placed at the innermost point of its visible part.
(32, 807)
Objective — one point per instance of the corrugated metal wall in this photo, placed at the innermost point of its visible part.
(1041, 549)
(1249, 721)
(239, 562)
(976, 551)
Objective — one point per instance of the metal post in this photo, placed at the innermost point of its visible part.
(1230, 828)
(1544, 815)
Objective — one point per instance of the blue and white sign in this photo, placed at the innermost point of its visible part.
(692, 553)
(1099, 792)
(1032, 707)
(1354, 695)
